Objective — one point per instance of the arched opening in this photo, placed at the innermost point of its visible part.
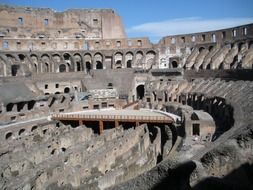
(14, 70)
(20, 106)
(34, 128)
(201, 49)
(78, 66)
(53, 151)
(21, 57)
(78, 62)
(138, 58)
(88, 67)
(174, 64)
(195, 129)
(66, 90)
(69, 62)
(129, 58)
(57, 93)
(140, 91)
(30, 104)
(129, 64)
(9, 107)
(118, 57)
(240, 45)
(208, 66)
(221, 66)
(118, 64)
(99, 65)
(66, 57)
(21, 131)
(62, 68)
(8, 135)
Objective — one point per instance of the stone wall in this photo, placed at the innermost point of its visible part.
(22, 22)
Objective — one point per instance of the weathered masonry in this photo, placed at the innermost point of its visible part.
(82, 106)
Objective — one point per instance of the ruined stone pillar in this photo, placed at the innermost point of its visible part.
(2, 108)
(15, 108)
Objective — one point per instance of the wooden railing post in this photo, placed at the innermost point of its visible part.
(80, 122)
(116, 123)
(101, 127)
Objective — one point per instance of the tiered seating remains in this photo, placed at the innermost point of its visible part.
(229, 56)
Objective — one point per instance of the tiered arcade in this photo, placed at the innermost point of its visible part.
(57, 66)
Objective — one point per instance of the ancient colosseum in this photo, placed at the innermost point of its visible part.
(84, 107)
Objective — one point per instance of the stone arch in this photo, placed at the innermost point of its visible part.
(140, 91)
(129, 64)
(11, 58)
(45, 57)
(45, 63)
(138, 58)
(210, 48)
(118, 59)
(88, 62)
(174, 64)
(201, 49)
(208, 67)
(99, 65)
(21, 57)
(34, 60)
(62, 68)
(8, 135)
(78, 62)
(240, 45)
(98, 60)
(129, 59)
(30, 104)
(56, 60)
(35, 127)
(9, 107)
(21, 132)
(68, 61)
(150, 59)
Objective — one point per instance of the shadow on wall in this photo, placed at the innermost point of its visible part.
(240, 178)
(178, 179)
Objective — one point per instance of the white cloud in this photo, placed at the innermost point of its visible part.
(156, 30)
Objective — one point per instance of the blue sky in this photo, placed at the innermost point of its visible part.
(158, 18)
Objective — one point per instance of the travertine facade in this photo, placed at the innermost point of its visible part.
(81, 59)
